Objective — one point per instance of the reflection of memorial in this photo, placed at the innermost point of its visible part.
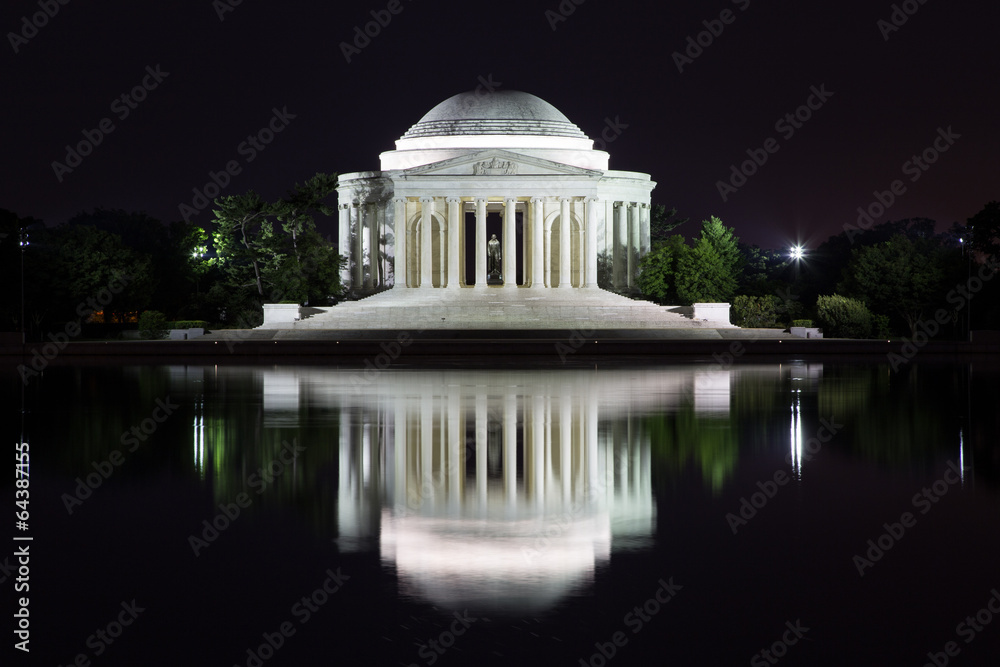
(501, 489)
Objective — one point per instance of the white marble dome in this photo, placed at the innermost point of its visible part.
(505, 112)
(506, 119)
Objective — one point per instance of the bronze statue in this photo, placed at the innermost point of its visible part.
(493, 255)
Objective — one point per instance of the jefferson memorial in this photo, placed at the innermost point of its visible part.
(502, 159)
(493, 211)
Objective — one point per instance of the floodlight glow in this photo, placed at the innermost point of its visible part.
(797, 252)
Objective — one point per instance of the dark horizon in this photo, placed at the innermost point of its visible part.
(209, 80)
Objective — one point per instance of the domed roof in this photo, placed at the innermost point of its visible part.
(503, 112)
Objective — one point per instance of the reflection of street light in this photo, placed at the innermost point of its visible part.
(23, 237)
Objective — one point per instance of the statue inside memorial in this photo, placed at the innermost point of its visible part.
(493, 257)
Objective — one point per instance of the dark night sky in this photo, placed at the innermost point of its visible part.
(606, 60)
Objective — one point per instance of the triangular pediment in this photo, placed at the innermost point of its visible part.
(499, 163)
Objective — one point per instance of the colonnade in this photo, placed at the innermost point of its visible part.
(430, 245)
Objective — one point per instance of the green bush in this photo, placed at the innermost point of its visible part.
(755, 311)
(152, 325)
(187, 324)
(802, 323)
(841, 317)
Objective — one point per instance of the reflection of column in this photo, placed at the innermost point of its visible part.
(480, 243)
(455, 446)
(399, 269)
(344, 242)
(549, 453)
(510, 450)
(509, 260)
(481, 452)
(425, 480)
(426, 249)
(565, 453)
(537, 243)
(359, 244)
(454, 206)
(399, 461)
(590, 275)
(538, 450)
(592, 492)
(564, 244)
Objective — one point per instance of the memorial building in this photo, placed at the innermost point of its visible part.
(484, 164)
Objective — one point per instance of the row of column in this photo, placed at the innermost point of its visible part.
(628, 236)
(631, 242)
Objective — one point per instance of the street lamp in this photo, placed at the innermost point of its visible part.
(797, 252)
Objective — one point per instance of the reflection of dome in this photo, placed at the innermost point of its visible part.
(522, 566)
(505, 112)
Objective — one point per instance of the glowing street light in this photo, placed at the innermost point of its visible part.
(797, 252)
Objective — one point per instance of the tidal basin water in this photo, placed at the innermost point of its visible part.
(799, 513)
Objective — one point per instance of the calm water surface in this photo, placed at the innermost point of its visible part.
(796, 513)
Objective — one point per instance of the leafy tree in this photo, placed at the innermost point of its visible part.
(657, 270)
(901, 277)
(703, 275)
(725, 243)
(756, 311)
(842, 317)
(83, 263)
(985, 230)
(661, 222)
(243, 238)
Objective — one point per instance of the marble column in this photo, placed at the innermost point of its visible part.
(344, 242)
(399, 269)
(359, 245)
(565, 265)
(454, 208)
(371, 212)
(509, 259)
(644, 231)
(621, 246)
(590, 274)
(426, 247)
(634, 226)
(480, 243)
(537, 246)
